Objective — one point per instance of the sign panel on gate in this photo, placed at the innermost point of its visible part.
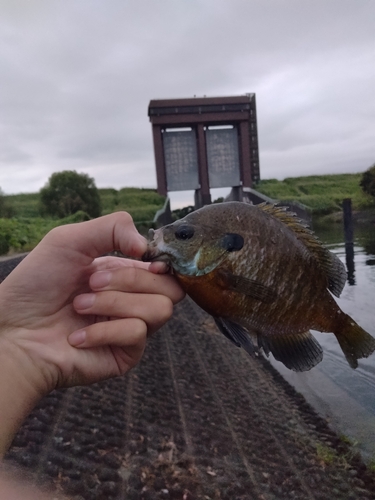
(181, 160)
(223, 157)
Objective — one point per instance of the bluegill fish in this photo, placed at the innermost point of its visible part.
(264, 277)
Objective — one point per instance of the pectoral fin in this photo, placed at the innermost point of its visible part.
(299, 352)
(246, 286)
(236, 334)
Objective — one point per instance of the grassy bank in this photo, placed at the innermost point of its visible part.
(140, 203)
(23, 231)
(323, 194)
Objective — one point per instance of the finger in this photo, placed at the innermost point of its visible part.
(109, 263)
(158, 267)
(104, 263)
(153, 309)
(121, 332)
(137, 280)
(100, 236)
(128, 336)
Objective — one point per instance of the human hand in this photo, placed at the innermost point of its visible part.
(69, 316)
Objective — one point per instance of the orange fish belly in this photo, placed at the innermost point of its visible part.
(208, 292)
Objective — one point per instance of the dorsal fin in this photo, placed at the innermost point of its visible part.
(331, 265)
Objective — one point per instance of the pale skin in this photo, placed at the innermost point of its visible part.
(70, 317)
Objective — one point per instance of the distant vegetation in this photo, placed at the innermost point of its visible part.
(368, 181)
(24, 233)
(26, 227)
(140, 203)
(69, 192)
(22, 226)
(323, 194)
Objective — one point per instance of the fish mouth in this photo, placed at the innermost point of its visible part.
(154, 255)
(156, 248)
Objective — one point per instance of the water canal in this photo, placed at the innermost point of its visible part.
(344, 396)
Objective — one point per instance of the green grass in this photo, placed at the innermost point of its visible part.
(23, 234)
(323, 194)
(24, 204)
(142, 204)
(325, 454)
(23, 231)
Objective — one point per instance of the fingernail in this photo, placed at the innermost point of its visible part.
(84, 301)
(77, 338)
(101, 279)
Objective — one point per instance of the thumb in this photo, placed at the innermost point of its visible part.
(102, 235)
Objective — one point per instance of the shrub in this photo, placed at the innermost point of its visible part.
(368, 181)
(23, 234)
(68, 192)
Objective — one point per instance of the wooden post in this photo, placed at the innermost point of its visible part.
(348, 222)
(349, 237)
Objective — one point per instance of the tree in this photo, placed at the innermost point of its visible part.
(68, 192)
(368, 181)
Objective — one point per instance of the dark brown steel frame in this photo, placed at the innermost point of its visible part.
(201, 112)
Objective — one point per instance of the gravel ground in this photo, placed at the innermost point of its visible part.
(7, 264)
(197, 419)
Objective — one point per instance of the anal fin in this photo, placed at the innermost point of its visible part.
(299, 352)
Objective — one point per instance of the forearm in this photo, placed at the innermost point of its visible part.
(18, 395)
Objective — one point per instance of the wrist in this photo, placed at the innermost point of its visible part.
(20, 391)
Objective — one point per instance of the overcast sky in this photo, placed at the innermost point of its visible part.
(76, 77)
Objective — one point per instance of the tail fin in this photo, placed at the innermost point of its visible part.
(355, 342)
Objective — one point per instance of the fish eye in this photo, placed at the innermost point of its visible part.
(184, 233)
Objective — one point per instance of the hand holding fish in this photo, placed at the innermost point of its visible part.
(264, 277)
(69, 317)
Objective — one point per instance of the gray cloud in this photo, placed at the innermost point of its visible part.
(76, 79)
